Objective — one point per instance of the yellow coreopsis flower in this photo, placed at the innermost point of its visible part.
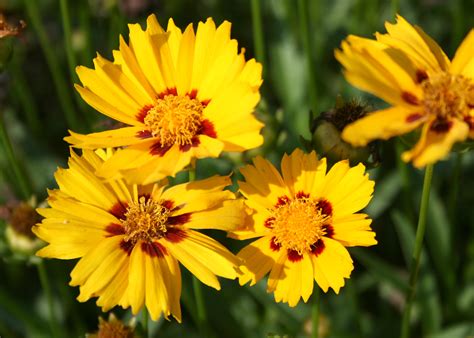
(181, 95)
(406, 68)
(304, 221)
(129, 238)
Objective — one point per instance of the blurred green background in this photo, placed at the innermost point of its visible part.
(38, 104)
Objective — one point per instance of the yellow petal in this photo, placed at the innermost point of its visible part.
(104, 273)
(295, 281)
(436, 145)
(204, 257)
(382, 124)
(208, 147)
(184, 66)
(354, 230)
(302, 171)
(137, 278)
(111, 294)
(415, 43)
(227, 216)
(132, 70)
(108, 108)
(141, 44)
(199, 195)
(67, 239)
(204, 36)
(157, 167)
(110, 138)
(172, 280)
(332, 265)
(93, 259)
(369, 66)
(348, 191)
(464, 56)
(107, 90)
(156, 295)
(258, 258)
(264, 183)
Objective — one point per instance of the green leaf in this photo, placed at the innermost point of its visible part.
(381, 270)
(385, 192)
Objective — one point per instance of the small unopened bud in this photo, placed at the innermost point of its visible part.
(326, 134)
(113, 328)
(21, 218)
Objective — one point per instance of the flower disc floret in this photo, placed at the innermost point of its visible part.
(298, 224)
(145, 220)
(175, 119)
(446, 95)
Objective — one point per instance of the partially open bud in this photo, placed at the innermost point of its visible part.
(20, 219)
(113, 328)
(326, 134)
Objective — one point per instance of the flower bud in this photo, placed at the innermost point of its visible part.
(326, 134)
(113, 328)
(19, 237)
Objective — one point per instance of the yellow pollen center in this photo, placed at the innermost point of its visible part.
(298, 224)
(175, 119)
(446, 95)
(145, 220)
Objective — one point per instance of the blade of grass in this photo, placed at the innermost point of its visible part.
(381, 270)
(64, 95)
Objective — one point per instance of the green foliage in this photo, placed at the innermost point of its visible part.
(38, 104)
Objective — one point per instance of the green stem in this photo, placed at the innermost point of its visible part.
(453, 194)
(18, 171)
(395, 7)
(43, 276)
(145, 322)
(71, 57)
(303, 13)
(258, 40)
(404, 172)
(25, 97)
(415, 265)
(86, 53)
(315, 313)
(64, 95)
(197, 287)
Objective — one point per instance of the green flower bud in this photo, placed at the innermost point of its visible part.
(326, 134)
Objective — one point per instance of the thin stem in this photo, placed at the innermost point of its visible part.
(64, 95)
(43, 276)
(71, 57)
(200, 308)
(395, 7)
(415, 265)
(303, 13)
(453, 194)
(403, 171)
(18, 171)
(145, 322)
(197, 287)
(315, 313)
(25, 97)
(258, 40)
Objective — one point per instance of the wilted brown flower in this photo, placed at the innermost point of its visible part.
(7, 29)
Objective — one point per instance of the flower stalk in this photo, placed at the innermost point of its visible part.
(415, 266)
(315, 313)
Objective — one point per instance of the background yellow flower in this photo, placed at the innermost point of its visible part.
(407, 69)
